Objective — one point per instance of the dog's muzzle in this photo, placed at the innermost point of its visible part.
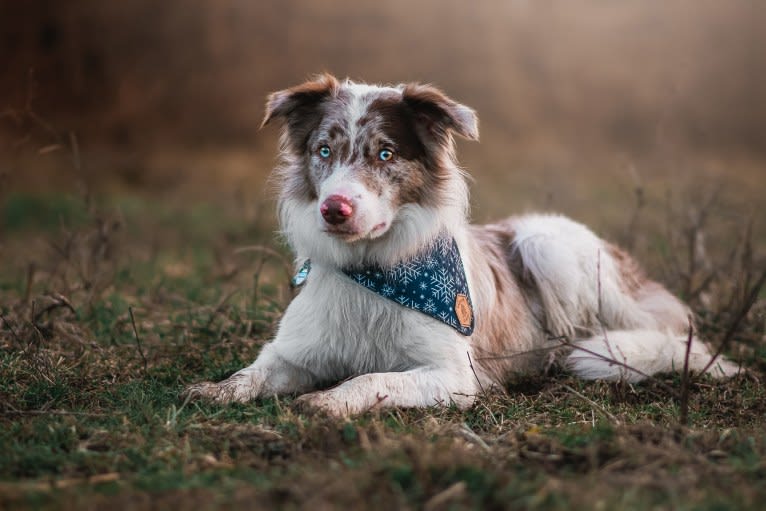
(336, 209)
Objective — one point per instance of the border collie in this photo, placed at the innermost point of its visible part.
(403, 302)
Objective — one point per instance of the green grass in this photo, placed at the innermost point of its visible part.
(86, 420)
(49, 212)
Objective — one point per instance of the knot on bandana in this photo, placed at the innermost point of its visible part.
(432, 282)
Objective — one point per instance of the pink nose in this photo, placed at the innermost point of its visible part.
(336, 209)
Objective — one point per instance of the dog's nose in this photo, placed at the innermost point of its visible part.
(336, 209)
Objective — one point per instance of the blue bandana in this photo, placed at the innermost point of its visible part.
(432, 282)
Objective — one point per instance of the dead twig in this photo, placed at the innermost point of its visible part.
(614, 361)
(260, 249)
(59, 302)
(138, 339)
(472, 437)
(684, 401)
(515, 354)
(474, 373)
(752, 297)
(600, 409)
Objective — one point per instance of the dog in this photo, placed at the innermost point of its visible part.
(403, 302)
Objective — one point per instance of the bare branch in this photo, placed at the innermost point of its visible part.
(603, 411)
(752, 297)
(474, 373)
(138, 339)
(684, 401)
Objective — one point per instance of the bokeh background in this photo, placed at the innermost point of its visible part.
(138, 252)
(581, 102)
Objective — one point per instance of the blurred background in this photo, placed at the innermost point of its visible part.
(581, 102)
(138, 250)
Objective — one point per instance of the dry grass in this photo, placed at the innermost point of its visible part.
(108, 312)
(110, 305)
(112, 302)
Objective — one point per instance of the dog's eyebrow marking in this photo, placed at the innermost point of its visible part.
(367, 118)
(397, 124)
(373, 113)
(335, 131)
(344, 150)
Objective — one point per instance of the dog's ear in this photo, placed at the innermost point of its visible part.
(439, 114)
(286, 102)
(300, 108)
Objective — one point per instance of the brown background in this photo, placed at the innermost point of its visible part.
(572, 95)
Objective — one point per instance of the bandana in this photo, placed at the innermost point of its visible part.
(432, 282)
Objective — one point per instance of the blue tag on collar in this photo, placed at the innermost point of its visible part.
(432, 282)
(300, 278)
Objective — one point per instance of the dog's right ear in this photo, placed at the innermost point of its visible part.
(298, 102)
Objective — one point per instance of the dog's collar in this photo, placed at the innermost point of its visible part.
(432, 282)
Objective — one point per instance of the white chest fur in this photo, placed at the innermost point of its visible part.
(336, 328)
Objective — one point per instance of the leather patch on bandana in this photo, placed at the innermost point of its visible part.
(463, 310)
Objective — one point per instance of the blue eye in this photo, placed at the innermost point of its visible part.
(385, 154)
(324, 152)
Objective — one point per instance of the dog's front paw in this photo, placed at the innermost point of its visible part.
(323, 403)
(199, 391)
(238, 389)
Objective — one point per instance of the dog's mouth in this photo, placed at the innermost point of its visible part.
(341, 232)
(349, 234)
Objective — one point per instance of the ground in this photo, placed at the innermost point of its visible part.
(111, 306)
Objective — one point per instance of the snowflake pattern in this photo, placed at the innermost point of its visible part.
(444, 246)
(443, 285)
(366, 279)
(448, 318)
(430, 282)
(405, 272)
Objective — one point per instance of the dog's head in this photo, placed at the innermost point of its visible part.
(362, 160)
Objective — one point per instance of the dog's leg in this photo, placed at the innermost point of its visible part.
(269, 375)
(633, 355)
(414, 388)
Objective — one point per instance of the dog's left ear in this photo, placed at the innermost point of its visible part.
(439, 114)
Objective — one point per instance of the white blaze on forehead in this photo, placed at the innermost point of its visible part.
(366, 89)
(362, 95)
(340, 182)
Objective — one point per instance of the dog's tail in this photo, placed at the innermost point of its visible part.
(633, 355)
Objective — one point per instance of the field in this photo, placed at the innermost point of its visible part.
(111, 304)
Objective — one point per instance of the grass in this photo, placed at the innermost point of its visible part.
(90, 414)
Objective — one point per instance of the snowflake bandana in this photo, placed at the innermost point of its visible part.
(432, 282)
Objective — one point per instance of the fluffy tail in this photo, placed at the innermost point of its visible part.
(633, 355)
